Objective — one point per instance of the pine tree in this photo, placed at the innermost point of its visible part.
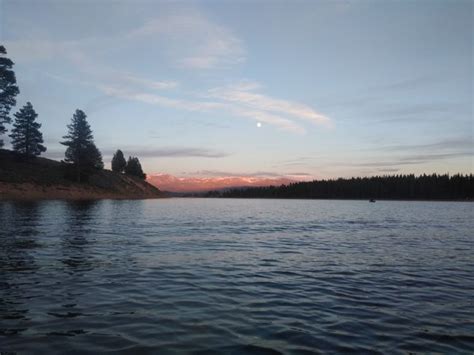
(26, 136)
(94, 157)
(118, 162)
(8, 90)
(134, 168)
(81, 151)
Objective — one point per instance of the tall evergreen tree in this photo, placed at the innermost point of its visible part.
(134, 168)
(26, 136)
(8, 90)
(118, 162)
(94, 158)
(81, 151)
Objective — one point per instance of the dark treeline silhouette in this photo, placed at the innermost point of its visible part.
(403, 187)
(130, 167)
(82, 157)
(134, 168)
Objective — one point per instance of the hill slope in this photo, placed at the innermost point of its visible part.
(42, 178)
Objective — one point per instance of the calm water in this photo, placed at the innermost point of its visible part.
(237, 276)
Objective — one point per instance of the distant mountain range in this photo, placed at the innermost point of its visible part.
(171, 183)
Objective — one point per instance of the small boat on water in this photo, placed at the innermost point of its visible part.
(371, 200)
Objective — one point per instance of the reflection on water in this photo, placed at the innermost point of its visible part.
(15, 252)
(17, 258)
(77, 236)
(236, 276)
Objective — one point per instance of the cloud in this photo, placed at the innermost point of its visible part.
(466, 143)
(220, 173)
(188, 39)
(27, 50)
(176, 153)
(146, 83)
(262, 116)
(392, 158)
(432, 108)
(193, 40)
(259, 174)
(407, 84)
(189, 105)
(299, 161)
(409, 159)
(236, 108)
(141, 152)
(245, 96)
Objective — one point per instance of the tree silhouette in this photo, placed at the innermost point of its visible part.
(118, 162)
(81, 151)
(406, 187)
(8, 90)
(26, 136)
(134, 168)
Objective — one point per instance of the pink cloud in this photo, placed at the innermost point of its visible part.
(168, 182)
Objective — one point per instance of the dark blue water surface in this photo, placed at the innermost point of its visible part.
(236, 276)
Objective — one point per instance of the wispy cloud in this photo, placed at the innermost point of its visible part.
(260, 174)
(146, 83)
(299, 161)
(272, 119)
(409, 159)
(284, 114)
(465, 143)
(143, 152)
(221, 173)
(189, 105)
(407, 84)
(176, 152)
(245, 95)
(189, 40)
(395, 156)
(424, 110)
(193, 40)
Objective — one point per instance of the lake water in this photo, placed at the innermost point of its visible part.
(236, 276)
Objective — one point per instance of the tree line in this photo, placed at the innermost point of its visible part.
(82, 157)
(409, 187)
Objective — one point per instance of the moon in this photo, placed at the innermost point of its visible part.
(259, 125)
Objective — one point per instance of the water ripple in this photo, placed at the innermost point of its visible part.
(236, 276)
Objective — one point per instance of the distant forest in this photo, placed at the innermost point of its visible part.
(403, 187)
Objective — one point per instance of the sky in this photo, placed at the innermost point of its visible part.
(209, 91)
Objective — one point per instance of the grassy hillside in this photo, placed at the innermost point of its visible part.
(45, 178)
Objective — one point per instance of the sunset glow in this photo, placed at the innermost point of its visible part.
(172, 183)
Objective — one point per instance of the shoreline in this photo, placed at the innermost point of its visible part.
(111, 196)
(73, 192)
(324, 199)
